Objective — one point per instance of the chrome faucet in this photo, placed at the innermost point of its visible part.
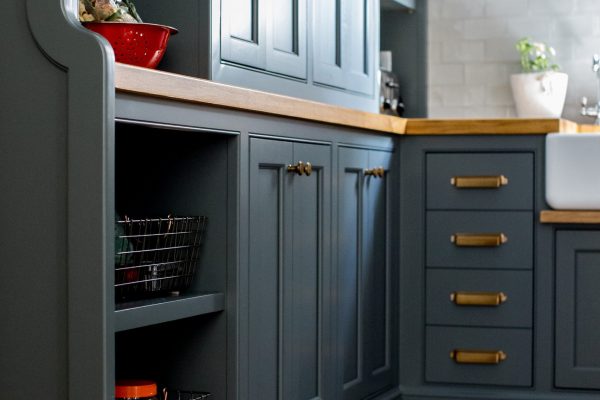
(593, 111)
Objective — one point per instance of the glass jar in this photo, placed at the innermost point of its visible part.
(136, 390)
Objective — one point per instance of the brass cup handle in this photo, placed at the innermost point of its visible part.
(484, 299)
(378, 172)
(490, 357)
(479, 182)
(478, 239)
(301, 168)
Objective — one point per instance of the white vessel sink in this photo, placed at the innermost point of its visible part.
(573, 171)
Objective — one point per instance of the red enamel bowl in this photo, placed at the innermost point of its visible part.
(138, 44)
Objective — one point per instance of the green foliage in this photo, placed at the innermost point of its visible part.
(536, 56)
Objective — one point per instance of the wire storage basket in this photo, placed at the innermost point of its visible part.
(156, 255)
(185, 395)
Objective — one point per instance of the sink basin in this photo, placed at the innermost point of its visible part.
(573, 171)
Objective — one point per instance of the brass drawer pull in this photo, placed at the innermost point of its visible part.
(479, 182)
(378, 172)
(301, 168)
(478, 239)
(489, 299)
(478, 356)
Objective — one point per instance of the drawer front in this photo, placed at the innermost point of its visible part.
(515, 344)
(516, 194)
(515, 226)
(479, 298)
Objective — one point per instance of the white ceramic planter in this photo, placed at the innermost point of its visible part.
(539, 95)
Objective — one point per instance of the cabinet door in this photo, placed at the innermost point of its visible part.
(358, 43)
(344, 44)
(286, 37)
(364, 313)
(577, 355)
(243, 32)
(288, 277)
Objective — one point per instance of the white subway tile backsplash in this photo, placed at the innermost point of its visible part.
(577, 26)
(461, 9)
(441, 30)
(471, 50)
(486, 74)
(498, 96)
(494, 8)
(442, 75)
(587, 5)
(484, 28)
(456, 51)
(546, 7)
(463, 95)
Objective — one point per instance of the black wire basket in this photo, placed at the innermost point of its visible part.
(185, 395)
(154, 256)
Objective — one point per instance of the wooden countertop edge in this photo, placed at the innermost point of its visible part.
(569, 217)
(166, 85)
(154, 83)
(502, 126)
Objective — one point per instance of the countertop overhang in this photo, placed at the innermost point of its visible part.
(165, 85)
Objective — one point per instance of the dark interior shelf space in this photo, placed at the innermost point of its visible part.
(140, 313)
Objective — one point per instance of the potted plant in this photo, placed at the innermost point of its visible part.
(540, 90)
(133, 41)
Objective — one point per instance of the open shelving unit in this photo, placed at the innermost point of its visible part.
(161, 169)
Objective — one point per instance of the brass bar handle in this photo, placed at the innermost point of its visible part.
(479, 182)
(488, 357)
(301, 168)
(378, 172)
(478, 239)
(485, 299)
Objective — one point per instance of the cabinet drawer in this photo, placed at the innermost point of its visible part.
(466, 226)
(515, 344)
(468, 298)
(467, 169)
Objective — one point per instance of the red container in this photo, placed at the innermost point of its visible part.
(138, 44)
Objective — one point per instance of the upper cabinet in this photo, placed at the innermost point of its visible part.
(344, 43)
(269, 35)
(322, 50)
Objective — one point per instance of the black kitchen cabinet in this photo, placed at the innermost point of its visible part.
(577, 355)
(366, 287)
(289, 270)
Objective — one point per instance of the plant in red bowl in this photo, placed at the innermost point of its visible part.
(133, 41)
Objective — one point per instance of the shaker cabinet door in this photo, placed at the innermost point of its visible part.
(365, 305)
(577, 355)
(288, 271)
(286, 37)
(243, 33)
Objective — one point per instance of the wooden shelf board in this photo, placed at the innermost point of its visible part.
(497, 126)
(569, 217)
(140, 313)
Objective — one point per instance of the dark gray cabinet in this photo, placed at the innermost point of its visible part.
(265, 34)
(289, 270)
(577, 354)
(366, 303)
(343, 41)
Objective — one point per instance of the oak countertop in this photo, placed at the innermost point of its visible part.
(159, 84)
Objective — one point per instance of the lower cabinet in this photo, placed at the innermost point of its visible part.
(577, 354)
(289, 270)
(365, 304)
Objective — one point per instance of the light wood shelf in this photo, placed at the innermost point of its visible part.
(569, 217)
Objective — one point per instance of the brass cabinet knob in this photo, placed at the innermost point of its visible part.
(378, 172)
(301, 168)
(483, 299)
(493, 357)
